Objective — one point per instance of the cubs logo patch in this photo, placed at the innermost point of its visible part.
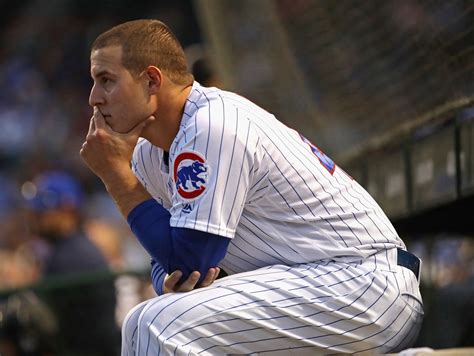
(325, 161)
(190, 174)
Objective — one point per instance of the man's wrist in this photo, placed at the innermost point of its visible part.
(117, 175)
(126, 190)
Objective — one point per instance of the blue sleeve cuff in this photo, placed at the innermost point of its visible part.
(149, 221)
(146, 212)
(158, 276)
(174, 249)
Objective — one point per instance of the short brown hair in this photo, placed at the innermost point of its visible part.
(148, 42)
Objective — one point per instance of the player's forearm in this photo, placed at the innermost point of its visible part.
(126, 191)
(174, 249)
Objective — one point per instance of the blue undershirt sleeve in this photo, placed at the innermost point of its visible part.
(174, 248)
(158, 275)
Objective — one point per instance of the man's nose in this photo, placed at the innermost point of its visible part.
(95, 97)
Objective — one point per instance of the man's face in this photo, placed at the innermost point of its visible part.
(54, 224)
(122, 99)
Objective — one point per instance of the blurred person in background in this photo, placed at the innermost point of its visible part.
(451, 307)
(18, 265)
(27, 326)
(204, 72)
(54, 201)
(202, 67)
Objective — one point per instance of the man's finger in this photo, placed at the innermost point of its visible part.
(190, 283)
(91, 125)
(172, 280)
(98, 119)
(210, 277)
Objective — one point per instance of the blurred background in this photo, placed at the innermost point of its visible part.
(385, 88)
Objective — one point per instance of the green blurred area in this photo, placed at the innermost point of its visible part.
(78, 314)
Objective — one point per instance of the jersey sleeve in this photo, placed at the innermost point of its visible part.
(148, 166)
(211, 167)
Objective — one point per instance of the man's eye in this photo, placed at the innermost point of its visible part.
(105, 80)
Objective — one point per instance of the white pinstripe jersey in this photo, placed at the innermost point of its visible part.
(236, 171)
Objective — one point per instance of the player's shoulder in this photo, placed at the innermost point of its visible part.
(205, 98)
(202, 103)
(143, 145)
(214, 112)
(244, 106)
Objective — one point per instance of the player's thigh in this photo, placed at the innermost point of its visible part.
(130, 328)
(302, 307)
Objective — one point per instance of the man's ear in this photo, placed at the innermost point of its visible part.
(154, 79)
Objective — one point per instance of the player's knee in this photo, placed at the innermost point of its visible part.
(150, 314)
(158, 315)
(130, 322)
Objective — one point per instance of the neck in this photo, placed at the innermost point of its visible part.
(164, 129)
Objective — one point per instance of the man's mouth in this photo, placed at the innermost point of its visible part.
(103, 114)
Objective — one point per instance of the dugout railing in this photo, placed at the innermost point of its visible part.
(70, 315)
(421, 169)
(423, 177)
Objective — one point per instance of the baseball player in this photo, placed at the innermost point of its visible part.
(216, 182)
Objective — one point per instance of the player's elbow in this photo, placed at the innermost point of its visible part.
(194, 250)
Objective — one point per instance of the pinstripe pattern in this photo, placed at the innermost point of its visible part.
(264, 178)
(269, 193)
(311, 308)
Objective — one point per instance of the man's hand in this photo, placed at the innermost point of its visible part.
(171, 285)
(108, 153)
